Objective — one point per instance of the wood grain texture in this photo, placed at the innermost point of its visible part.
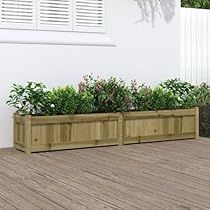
(38, 134)
(151, 126)
(164, 175)
(28, 132)
(66, 132)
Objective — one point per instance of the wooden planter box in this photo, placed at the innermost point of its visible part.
(139, 127)
(36, 134)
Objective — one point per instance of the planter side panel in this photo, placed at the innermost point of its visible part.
(77, 131)
(19, 132)
(158, 126)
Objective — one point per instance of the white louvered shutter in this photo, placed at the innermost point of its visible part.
(54, 15)
(18, 14)
(89, 15)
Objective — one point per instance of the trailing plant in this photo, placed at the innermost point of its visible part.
(28, 99)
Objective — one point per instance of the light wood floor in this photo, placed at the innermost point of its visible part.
(167, 175)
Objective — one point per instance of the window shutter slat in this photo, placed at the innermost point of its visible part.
(54, 15)
(18, 14)
(89, 15)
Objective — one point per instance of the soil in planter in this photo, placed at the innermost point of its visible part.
(204, 120)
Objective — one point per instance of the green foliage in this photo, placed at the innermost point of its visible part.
(84, 103)
(63, 100)
(141, 97)
(66, 101)
(188, 95)
(111, 95)
(204, 4)
(178, 87)
(28, 99)
(200, 96)
(163, 99)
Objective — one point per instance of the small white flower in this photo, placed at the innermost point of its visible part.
(52, 106)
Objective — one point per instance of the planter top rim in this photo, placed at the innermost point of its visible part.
(111, 114)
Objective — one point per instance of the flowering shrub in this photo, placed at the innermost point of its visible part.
(141, 97)
(110, 95)
(96, 95)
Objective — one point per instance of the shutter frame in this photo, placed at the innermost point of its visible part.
(78, 16)
(89, 16)
(18, 14)
(54, 17)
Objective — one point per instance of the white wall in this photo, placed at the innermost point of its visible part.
(146, 50)
(195, 45)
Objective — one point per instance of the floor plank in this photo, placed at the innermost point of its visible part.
(161, 175)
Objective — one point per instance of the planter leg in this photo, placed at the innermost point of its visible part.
(120, 129)
(14, 130)
(28, 135)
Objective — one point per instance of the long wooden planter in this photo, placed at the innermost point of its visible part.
(139, 127)
(36, 134)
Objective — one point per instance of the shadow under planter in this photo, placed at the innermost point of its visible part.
(47, 133)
